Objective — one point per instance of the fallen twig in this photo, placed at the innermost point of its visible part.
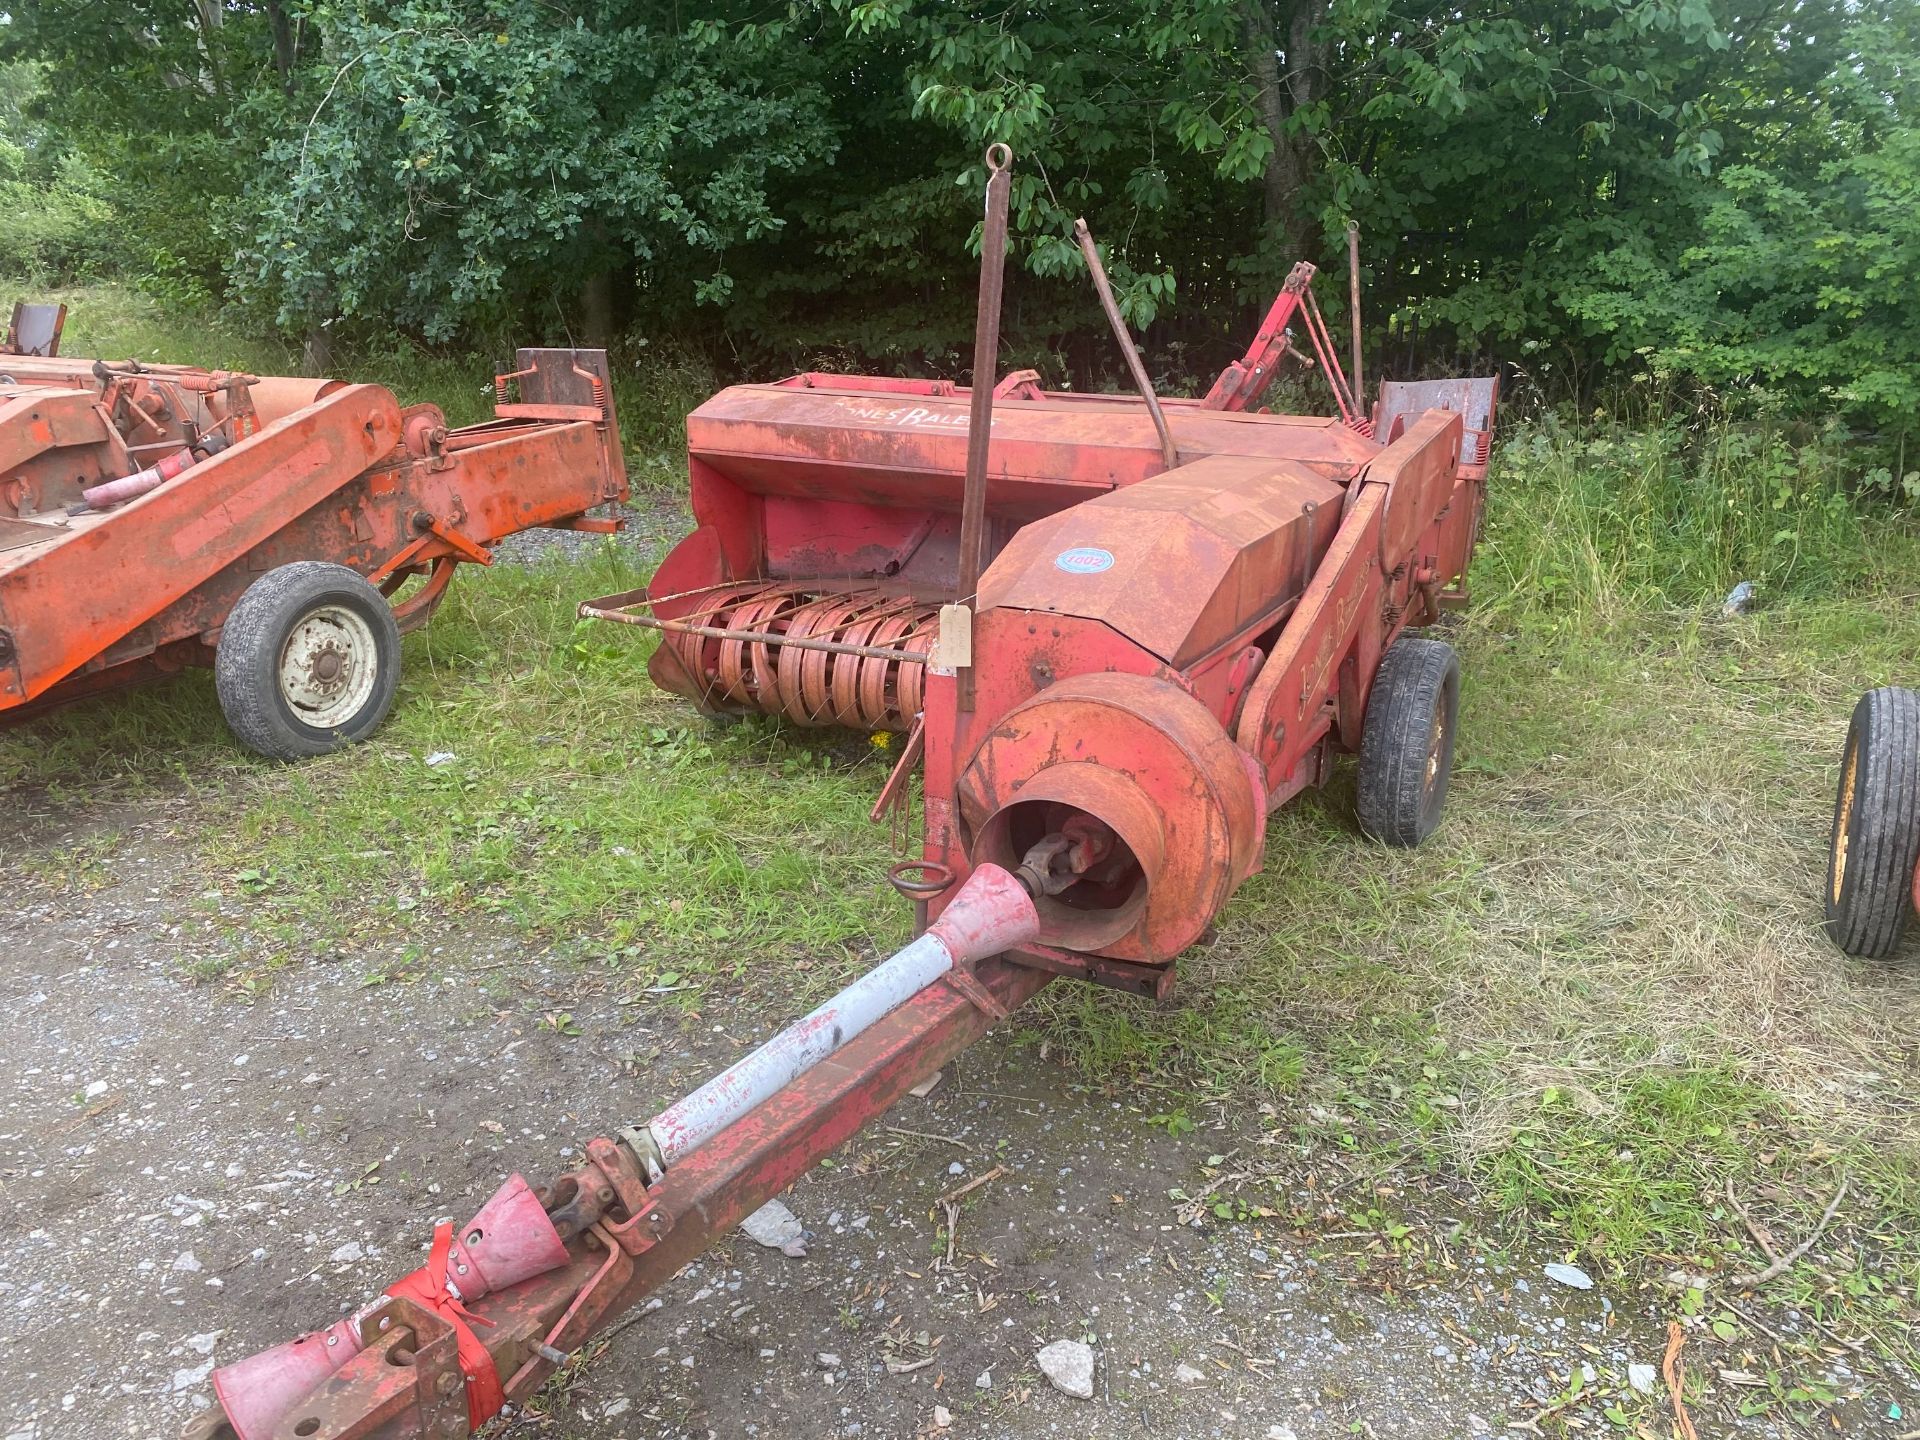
(950, 1202)
(1783, 1263)
(1674, 1372)
(1859, 1347)
(1546, 1412)
(1197, 1205)
(92, 1112)
(974, 1184)
(926, 1135)
(1758, 1232)
(1757, 1323)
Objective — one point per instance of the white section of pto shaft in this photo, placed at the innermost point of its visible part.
(689, 1123)
(991, 913)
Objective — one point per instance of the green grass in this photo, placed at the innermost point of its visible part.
(1596, 1001)
(1596, 520)
(582, 809)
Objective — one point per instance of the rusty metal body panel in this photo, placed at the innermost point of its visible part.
(1179, 562)
(1473, 399)
(849, 443)
(841, 481)
(58, 601)
(1154, 766)
(310, 469)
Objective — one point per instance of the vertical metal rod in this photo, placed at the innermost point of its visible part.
(986, 357)
(1353, 305)
(1323, 349)
(1132, 356)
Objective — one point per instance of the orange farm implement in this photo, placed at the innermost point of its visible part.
(1116, 633)
(286, 532)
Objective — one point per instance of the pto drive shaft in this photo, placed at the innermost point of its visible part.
(538, 1240)
(994, 913)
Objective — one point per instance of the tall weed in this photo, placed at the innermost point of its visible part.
(1598, 518)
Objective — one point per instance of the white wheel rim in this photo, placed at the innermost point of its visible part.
(328, 666)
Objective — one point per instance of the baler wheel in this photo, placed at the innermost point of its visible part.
(1876, 824)
(308, 661)
(1406, 741)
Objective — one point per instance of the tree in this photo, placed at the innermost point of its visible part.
(450, 163)
(1718, 190)
(141, 92)
(1793, 272)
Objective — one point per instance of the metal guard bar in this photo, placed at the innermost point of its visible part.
(603, 610)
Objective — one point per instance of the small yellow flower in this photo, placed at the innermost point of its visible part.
(881, 739)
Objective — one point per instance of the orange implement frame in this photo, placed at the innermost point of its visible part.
(280, 471)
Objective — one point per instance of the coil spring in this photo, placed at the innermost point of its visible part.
(813, 687)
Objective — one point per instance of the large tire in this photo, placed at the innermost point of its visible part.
(308, 661)
(1876, 824)
(1406, 740)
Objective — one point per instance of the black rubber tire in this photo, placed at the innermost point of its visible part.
(1876, 825)
(247, 665)
(1406, 741)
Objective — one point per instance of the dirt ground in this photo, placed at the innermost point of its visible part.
(186, 1177)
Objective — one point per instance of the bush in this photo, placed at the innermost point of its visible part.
(57, 230)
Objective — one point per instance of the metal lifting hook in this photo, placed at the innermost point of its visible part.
(1353, 312)
(986, 356)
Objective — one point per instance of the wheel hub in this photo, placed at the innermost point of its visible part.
(1843, 826)
(328, 666)
(1436, 743)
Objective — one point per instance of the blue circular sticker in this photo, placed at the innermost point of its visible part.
(1084, 560)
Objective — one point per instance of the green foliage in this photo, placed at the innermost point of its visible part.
(1718, 196)
(1799, 289)
(1794, 269)
(58, 230)
(56, 222)
(1076, 100)
(1628, 1179)
(139, 95)
(1721, 196)
(450, 162)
